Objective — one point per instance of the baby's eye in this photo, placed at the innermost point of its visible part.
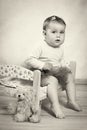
(53, 31)
(62, 32)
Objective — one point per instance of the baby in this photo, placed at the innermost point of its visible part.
(48, 57)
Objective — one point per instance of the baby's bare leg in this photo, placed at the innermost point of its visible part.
(71, 94)
(53, 96)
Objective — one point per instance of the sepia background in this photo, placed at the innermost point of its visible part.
(21, 24)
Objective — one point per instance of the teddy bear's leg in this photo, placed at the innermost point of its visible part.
(12, 108)
(19, 117)
(35, 118)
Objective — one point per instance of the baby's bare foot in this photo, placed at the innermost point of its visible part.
(58, 113)
(74, 106)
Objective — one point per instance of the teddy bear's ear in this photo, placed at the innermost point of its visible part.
(24, 94)
(15, 95)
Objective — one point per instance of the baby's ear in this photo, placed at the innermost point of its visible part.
(44, 32)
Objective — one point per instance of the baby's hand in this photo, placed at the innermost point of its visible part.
(47, 67)
(65, 64)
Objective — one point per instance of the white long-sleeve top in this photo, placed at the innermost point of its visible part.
(45, 53)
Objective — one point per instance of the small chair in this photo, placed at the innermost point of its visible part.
(37, 82)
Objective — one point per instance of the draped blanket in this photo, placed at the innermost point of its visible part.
(14, 77)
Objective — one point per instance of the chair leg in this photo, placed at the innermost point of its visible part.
(73, 68)
(36, 86)
(37, 109)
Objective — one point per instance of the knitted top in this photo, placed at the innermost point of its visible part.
(46, 53)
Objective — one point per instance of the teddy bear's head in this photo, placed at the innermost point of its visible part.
(25, 94)
(20, 95)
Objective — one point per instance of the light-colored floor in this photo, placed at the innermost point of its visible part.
(73, 121)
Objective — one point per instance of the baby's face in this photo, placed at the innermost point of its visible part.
(55, 34)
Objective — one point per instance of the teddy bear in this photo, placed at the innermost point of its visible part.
(25, 108)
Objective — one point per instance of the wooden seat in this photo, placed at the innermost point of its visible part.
(42, 90)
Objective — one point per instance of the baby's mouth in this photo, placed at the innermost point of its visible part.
(57, 40)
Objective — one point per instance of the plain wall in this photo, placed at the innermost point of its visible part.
(21, 29)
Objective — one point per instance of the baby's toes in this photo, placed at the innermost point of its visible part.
(74, 106)
(60, 115)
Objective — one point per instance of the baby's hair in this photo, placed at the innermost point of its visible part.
(53, 19)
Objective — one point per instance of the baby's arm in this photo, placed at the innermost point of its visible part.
(35, 63)
(34, 60)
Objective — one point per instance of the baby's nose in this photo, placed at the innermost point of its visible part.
(58, 35)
